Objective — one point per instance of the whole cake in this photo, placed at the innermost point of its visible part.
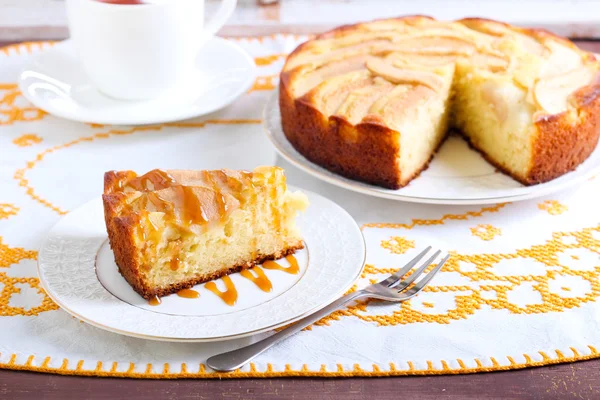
(170, 230)
(373, 101)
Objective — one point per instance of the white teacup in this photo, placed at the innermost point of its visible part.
(138, 51)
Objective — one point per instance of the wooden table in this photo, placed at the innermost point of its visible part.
(579, 380)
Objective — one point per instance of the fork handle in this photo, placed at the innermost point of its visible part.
(236, 358)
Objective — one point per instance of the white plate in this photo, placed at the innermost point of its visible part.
(55, 82)
(77, 270)
(456, 175)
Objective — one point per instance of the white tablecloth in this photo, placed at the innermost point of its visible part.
(521, 288)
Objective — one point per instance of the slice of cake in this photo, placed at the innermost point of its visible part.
(171, 230)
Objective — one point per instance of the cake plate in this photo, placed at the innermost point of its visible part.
(77, 269)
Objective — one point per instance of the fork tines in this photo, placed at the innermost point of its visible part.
(410, 274)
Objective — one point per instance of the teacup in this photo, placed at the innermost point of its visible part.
(138, 49)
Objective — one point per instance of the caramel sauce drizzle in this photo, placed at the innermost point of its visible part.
(259, 280)
(154, 301)
(188, 293)
(236, 185)
(192, 211)
(160, 179)
(161, 204)
(229, 296)
(218, 190)
(292, 269)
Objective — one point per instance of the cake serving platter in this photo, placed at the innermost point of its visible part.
(457, 175)
(77, 269)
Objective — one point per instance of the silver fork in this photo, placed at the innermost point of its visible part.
(388, 289)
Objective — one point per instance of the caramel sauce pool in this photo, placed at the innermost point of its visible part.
(154, 301)
(188, 294)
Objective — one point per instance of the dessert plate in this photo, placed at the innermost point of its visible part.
(456, 175)
(55, 82)
(77, 270)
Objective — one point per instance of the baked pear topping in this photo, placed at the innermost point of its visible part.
(396, 75)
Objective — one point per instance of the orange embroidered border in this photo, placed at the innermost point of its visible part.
(441, 221)
(28, 46)
(340, 372)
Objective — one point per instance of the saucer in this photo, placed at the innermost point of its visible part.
(77, 270)
(55, 82)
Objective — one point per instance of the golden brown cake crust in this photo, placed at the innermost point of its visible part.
(368, 150)
(562, 145)
(112, 180)
(372, 158)
(127, 256)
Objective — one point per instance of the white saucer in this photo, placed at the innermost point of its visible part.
(55, 82)
(456, 175)
(77, 269)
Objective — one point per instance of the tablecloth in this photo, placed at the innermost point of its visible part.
(520, 290)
